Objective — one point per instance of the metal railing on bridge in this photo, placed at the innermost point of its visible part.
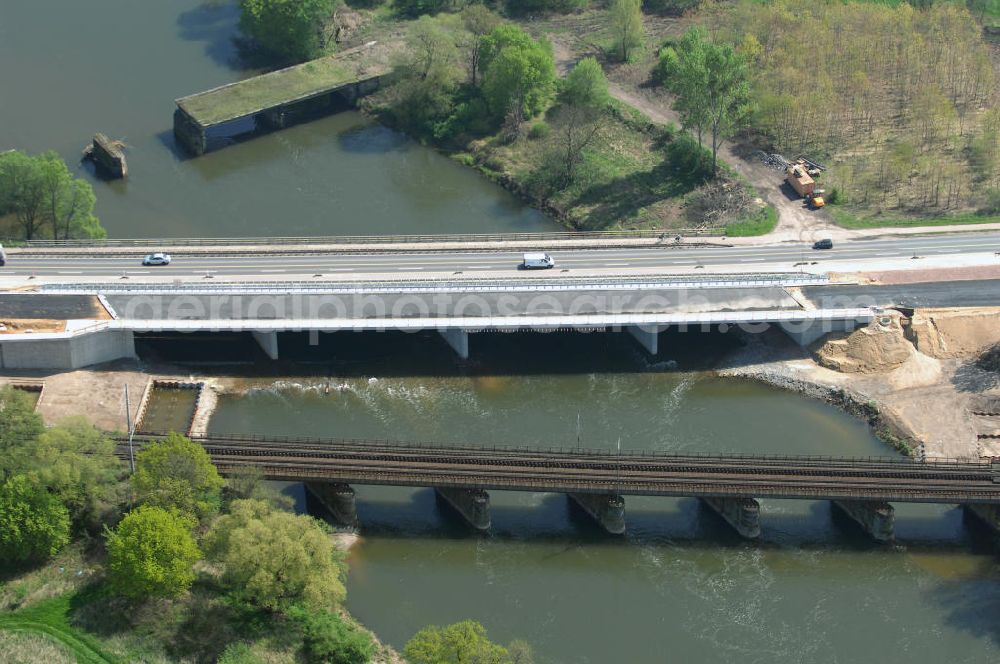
(665, 236)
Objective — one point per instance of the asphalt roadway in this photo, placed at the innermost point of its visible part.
(622, 261)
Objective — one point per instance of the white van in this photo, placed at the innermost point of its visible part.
(3, 256)
(537, 261)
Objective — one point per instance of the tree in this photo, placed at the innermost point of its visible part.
(626, 25)
(69, 202)
(585, 85)
(40, 191)
(712, 84)
(176, 473)
(428, 73)
(20, 425)
(274, 559)
(327, 638)
(151, 553)
(478, 21)
(461, 643)
(584, 98)
(33, 523)
(21, 192)
(519, 73)
(293, 30)
(77, 464)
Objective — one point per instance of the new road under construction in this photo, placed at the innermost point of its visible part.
(598, 479)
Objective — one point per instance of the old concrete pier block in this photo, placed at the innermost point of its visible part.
(743, 514)
(338, 499)
(472, 504)
(876, 517)
(608, 509)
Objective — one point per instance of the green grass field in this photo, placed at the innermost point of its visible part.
(760, 224)
(51, 619)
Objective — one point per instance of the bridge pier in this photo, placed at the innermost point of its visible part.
(268, 342)
(876, 517)
(987, 514)
(337, 498)
(608, 509)
(472, 504)
(647, 336)
(458, 339)
(743, 514)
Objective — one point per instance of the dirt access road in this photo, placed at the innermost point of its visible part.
(628, 83)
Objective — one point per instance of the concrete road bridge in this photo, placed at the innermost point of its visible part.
(598, 480)
(457, 309)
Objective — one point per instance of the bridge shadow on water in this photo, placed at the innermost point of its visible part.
(425, 353)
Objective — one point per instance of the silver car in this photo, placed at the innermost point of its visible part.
(159, 258)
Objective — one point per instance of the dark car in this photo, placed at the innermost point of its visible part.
(823, 244)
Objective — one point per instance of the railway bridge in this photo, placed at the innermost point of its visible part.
(598, 480)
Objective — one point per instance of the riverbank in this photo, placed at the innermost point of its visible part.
(916, 380)
(58, 612)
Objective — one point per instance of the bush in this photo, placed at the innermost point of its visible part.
(289, 29)
(327, 638)
(992, 202)
(516, 7)
(151, 554)
(239, 653)
(539, 130)
(669, 7)
(274, 559)
(33, 523)
(177, 474)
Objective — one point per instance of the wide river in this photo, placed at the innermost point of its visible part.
(679, 587)
(70, 68)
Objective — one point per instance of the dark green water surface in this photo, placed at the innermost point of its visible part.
(70, 68)
(680, 586)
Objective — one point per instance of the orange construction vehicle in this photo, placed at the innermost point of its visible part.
(798, 178)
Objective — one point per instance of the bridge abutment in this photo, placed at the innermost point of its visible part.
(268, 342)
(472, 504)
(805, 333)
(876, 517)
(648, 336)
(458, 339)
(337, 499)
(743, 514)
(608, 509)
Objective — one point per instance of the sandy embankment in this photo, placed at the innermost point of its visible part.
(915, 379)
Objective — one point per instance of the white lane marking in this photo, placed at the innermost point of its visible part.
(752, 260)
(616, 264)
(281, 270)
(69, 273)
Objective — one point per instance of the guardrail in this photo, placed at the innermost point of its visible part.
(452, 285)
(611, 451)
(378, 239)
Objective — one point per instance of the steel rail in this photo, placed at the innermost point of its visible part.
(381, 462)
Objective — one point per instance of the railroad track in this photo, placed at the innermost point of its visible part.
(383, 462)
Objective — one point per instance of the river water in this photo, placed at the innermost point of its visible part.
(680, 586)
(70, 68)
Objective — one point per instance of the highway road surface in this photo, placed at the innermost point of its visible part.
(741, 258)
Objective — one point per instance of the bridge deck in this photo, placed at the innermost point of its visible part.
(285, 86)
(358, 462)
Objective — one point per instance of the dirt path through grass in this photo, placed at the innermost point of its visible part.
(796, 223)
